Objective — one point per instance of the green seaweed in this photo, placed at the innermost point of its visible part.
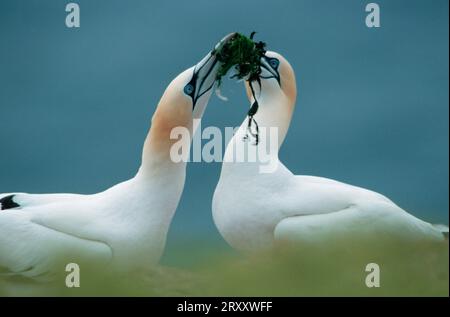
(244, 54)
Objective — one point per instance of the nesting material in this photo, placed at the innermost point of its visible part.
(244, 54)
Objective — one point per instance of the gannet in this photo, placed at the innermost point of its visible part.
(123, 227)
(256, 210)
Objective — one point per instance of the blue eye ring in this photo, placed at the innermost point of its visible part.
(274, 63)
(188, 89)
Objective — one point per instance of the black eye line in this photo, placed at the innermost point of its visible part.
(203, 81)
(185, 89)
(204, 63)
(270, 59)
(193, 83)
(209, 88)
(276, 75)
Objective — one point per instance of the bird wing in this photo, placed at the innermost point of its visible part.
(309, 195)
(23, 200)
(34, 250)
(378, 223)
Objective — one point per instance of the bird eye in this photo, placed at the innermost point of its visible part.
(274, 63)
(188, 89)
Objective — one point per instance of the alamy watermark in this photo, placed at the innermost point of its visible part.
(73, 16)
(373, 18)
(242, 149)
(373, 278)
(73, 278)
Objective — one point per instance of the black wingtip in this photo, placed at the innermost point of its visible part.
(7, 202)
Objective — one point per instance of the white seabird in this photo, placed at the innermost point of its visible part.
(124, 227)
(254, 210)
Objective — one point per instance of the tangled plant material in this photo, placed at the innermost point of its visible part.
(245, 55)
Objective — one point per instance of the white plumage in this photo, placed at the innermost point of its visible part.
(123, 228)
(254, 210)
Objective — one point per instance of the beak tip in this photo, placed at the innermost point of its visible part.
(223, 41)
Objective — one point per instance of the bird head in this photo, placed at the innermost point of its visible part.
(192, 88)
(184, 99)
(277, 80)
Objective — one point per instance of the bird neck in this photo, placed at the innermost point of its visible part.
(273, 119)
(274, 112)
(157, 147)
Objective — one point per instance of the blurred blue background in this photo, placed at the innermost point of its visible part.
(75, 104)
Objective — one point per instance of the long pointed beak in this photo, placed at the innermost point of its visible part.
(204, 77)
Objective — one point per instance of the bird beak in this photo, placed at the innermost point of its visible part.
(204, 76)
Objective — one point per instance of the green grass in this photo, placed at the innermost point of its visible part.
(306, 271)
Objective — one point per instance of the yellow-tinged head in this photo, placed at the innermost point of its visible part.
(184, 99)
(277, 80)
